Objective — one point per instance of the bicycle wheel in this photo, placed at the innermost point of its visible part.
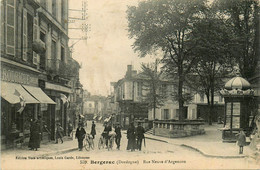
(100, 143)
(86, 144)
(91, 143)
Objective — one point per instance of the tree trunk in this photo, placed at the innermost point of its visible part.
(211, 110)
(180, 97)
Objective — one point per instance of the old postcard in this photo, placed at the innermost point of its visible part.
(130, 84)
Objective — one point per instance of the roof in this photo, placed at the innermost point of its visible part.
(237, 83)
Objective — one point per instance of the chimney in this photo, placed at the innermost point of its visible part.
(129, 71)
(129, 68)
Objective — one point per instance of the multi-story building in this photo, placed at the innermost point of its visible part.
(130, 93)
(36, 66)
(128, 98)
(94, 107)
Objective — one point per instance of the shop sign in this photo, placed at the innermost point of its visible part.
(57, 87)
(18, 77)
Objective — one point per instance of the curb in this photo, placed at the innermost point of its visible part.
(211, 156)
(59, 152)
(197, 150)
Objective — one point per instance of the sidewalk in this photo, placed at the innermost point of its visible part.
(46, 149)
(210, 144)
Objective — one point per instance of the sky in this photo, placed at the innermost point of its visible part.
(104, 56)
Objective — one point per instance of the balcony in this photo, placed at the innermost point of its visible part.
(53, 66)
(57, 67)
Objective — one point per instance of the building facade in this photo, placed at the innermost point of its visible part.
(38, 75)
(130, 93)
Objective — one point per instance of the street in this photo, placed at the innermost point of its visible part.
(155, 155)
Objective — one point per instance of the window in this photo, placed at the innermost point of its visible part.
(220, 99)
(53, 50)
(2, 26)
(62, 54)
(166, 114)
(139, 86)
(25, 34)
(10, 27)
(42, 36)
(29, 38)
(42, 55)
(54, 8)
(202, 97)
(62, 13)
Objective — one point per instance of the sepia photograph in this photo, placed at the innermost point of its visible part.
(130, 84)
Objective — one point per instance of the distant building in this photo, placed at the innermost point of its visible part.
(129, 94)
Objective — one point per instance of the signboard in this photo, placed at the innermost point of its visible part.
(17, 76)
(228, 109)
(57, 87)
(236, 108)
(236, 122)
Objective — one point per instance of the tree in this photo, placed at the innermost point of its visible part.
(152, 85)
(214, 48)
(166, 25)
(243, 16)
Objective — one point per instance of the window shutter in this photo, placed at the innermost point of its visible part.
(25, 44)
(10, 27)
(35, 38)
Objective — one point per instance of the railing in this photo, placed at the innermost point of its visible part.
(178, 129)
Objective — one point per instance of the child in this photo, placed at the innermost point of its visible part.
(241, 141)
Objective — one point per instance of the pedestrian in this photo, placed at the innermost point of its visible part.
(131, 137)
(118, 134)
(59, 133)
(139, 135)
(35, 135)
(80, 135)
(106, 131)
(241, 141)
(70, 129)
(93, 129)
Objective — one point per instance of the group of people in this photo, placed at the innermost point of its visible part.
(135, 136)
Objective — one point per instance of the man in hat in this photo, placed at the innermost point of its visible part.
(106, 131)
(139, 135)
(80, 135)
(118, 134)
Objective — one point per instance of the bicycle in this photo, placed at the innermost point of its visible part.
(101, 142)
(88, 142)
(110, 143)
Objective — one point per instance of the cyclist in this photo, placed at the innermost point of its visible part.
(106, 131)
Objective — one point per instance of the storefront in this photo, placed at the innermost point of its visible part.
(58, 113)
(20, 101)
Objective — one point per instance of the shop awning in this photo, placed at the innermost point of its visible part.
(12, 92)
(100, 118)
(94, 117)
(37, 93)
